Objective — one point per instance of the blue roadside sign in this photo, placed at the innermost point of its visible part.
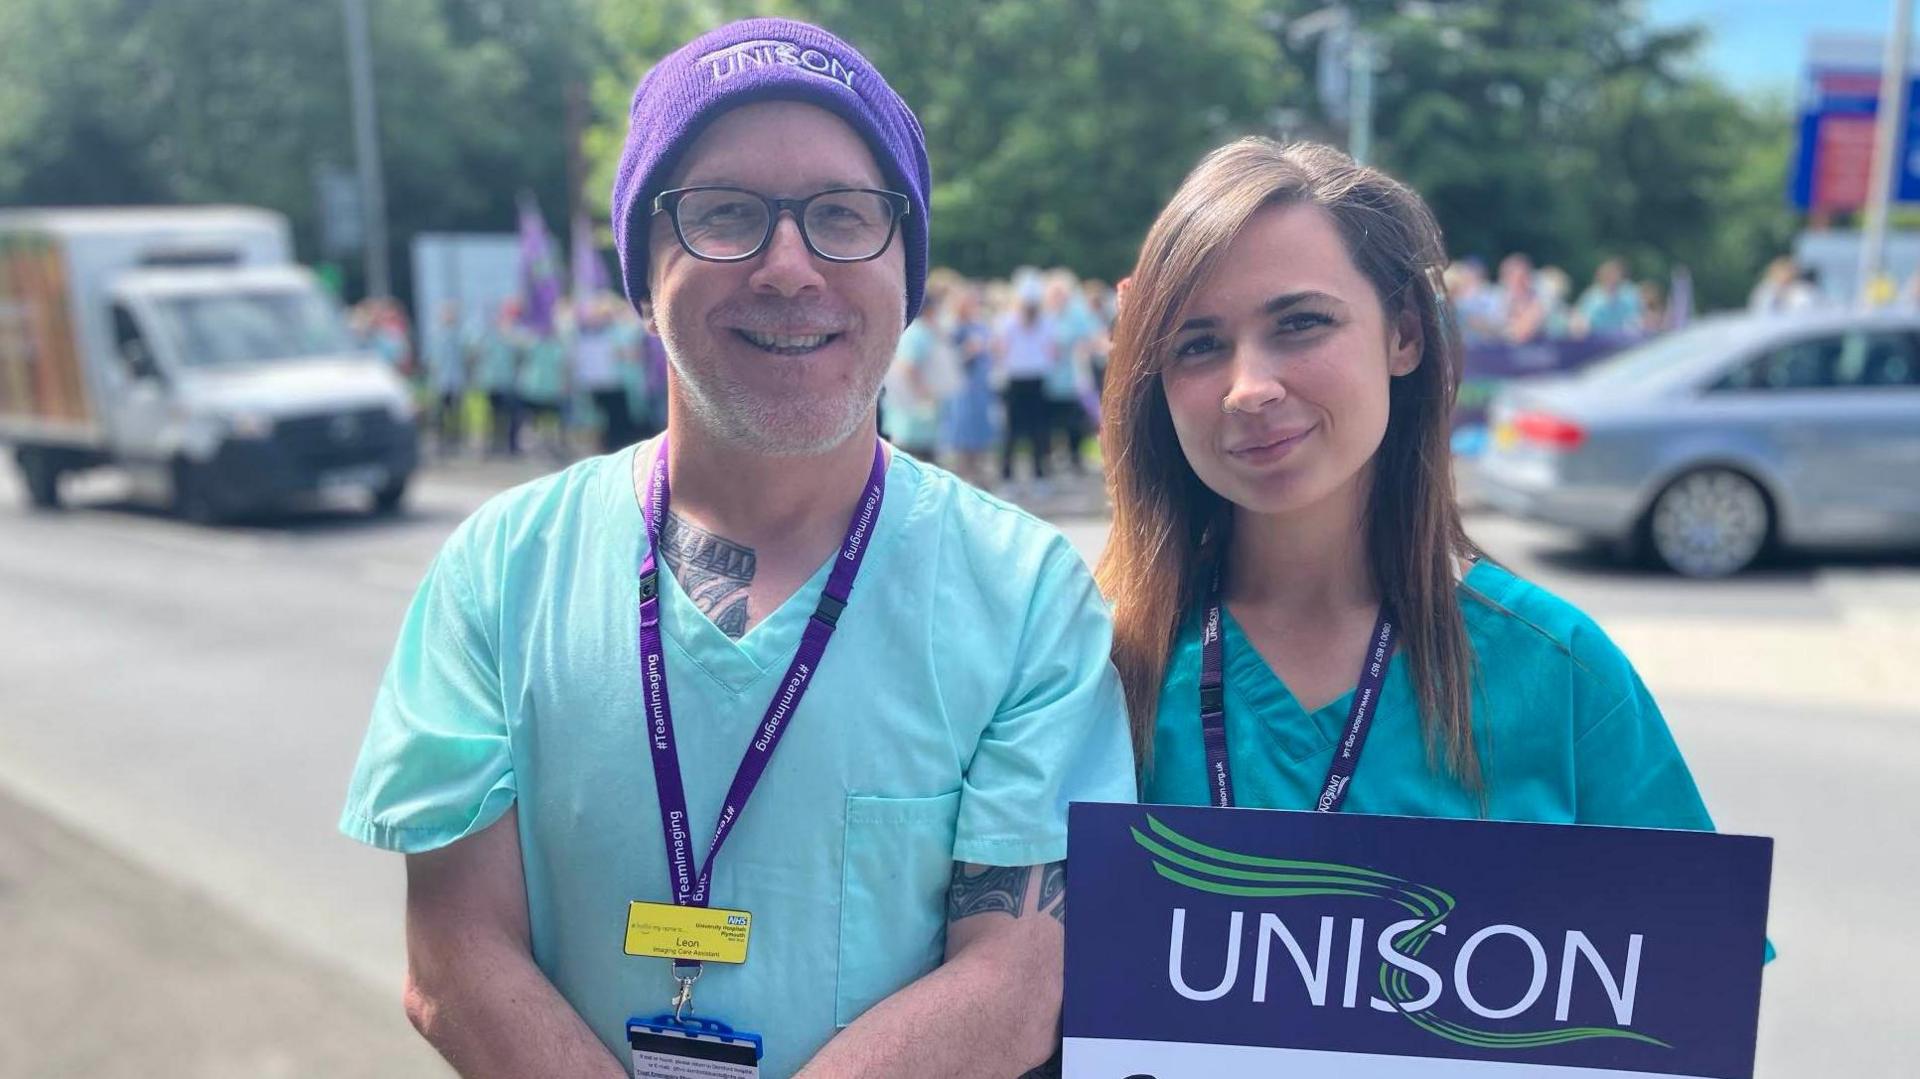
(1225, 943)
(1839, 100)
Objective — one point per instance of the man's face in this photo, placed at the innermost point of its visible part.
(782, 353)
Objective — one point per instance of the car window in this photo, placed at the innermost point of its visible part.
(1809, 363)
(1878, 359)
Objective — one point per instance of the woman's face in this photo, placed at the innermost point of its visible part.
(1278, 370)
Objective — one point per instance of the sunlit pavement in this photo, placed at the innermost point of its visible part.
(190, 700)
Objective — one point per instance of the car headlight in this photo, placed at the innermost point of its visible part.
(250, 425)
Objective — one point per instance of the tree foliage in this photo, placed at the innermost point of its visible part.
(1573, 132)
(1056, 130)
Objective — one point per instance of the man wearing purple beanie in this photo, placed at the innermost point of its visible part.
(860, 792)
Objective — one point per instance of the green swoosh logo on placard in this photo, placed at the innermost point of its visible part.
(1193, 864)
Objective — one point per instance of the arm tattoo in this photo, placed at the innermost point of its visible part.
(714, 571)
(983, 889)
(1053, 890)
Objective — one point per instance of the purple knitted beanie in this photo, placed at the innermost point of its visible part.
(763, 60)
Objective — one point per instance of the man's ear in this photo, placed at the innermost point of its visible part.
(1409, 342)
(646, 315)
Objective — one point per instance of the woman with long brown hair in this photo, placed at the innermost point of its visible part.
(1276, 440)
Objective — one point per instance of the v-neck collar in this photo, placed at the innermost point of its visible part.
(1298, 733)
(769, 646)
(1301, 734)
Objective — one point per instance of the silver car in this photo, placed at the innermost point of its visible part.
(1709, 445)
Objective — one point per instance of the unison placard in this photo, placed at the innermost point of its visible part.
(1220, 943)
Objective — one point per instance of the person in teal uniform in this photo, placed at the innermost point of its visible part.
(764, 668)
(497, 372)
(1284, 518)
(540, 385)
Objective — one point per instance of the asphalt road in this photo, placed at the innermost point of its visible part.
(180, 706)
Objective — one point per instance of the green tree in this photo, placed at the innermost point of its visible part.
(127, 101)
(1057, 131)
(1574, 132)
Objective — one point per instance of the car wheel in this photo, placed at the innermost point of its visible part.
(1710, 523)
(193, 496)
(387, 499)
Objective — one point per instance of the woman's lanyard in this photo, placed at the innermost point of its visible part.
(689, 888)
(1213, 711)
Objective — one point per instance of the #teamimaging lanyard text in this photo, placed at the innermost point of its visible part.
(1346, 756)
(689, 887)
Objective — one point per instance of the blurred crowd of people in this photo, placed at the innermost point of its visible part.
(1786, 287)
(1523, 304)
(1000, 380)
(585, 374)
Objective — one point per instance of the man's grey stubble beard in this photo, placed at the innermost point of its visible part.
(768, 424)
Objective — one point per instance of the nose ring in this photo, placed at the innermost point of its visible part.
(1226, 407)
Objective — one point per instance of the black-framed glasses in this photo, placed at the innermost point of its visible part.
(732, 224)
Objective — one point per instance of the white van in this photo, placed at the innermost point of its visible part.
(184, 346)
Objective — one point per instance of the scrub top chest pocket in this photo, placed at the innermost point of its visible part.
(898, 862)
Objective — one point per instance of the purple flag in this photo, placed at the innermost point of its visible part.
(539, 277)
(1680, 298)
(589, 273)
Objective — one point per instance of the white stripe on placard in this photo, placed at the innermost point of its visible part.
(1114, 1058)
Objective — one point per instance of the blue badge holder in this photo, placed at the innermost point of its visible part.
(697, 1029)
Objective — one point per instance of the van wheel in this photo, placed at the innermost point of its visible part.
(41, 476)
(387, 499)
(193, 495)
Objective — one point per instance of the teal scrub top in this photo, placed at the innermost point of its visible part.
(966, 698)
(1566, 731)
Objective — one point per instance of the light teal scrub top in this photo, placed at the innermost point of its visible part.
(499, 359)
(543, 370)
(965, 700)
(1566, 732)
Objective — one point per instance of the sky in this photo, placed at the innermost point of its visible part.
(1760, 45)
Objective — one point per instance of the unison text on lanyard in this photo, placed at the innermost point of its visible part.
(689, 887)
(1346, 755)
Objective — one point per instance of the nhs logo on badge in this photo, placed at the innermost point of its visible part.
(736, 919)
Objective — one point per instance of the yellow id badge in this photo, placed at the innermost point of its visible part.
(671, 931)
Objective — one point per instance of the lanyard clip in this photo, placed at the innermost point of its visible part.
(829, 610)
(683, 996)
(649, 585)
(1213, 700)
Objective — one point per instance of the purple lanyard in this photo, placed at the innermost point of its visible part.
(689, 889)
(1213, 711)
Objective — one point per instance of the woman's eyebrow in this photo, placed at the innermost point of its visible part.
(1271, 307)
(1286, 300)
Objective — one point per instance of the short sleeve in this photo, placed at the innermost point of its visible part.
(1059, 734)
(1628, 771)
(435, 766)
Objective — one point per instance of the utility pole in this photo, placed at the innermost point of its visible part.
(366, 149)
(1889, 132)
(1341, 36)
(1360, 83)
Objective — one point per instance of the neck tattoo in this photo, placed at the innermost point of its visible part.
(714, 571)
